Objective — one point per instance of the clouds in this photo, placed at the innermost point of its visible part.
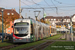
(15, 3)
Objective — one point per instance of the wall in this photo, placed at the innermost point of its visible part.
(10, 29)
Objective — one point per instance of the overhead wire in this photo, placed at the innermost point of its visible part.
(37, 4)
(47, 4)
(56, 7)
(40, 7)
(62, 3)
(34, 2)
(25, 3)
(32, 7)
(67, 10)
(53, 3)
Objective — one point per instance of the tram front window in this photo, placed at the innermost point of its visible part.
(21, 29)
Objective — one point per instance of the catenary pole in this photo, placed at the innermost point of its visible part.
(20, 8)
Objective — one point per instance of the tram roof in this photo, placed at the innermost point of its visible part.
(26, 19)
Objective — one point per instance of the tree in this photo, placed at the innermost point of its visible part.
(42, 21)
(47, 21)
(0, 28)
(7, 17)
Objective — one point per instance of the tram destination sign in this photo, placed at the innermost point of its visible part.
(21, 24)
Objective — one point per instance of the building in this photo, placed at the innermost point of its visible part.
(58, 21)
(10, 29)
(8, 15)
(73, 21)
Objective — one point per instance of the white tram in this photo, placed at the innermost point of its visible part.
(28, 30)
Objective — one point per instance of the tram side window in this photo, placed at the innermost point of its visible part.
(52, 31)
(49, 30)
(43, 30)
(40, 30)
(31, 29)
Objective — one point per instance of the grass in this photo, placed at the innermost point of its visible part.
(61, 46)
(36, 43)
(5, 44)
(30, 44)
(54, 37)
(27, 45)
(0, 40)
(62, 39)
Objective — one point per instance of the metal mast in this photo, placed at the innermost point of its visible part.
(20, 8)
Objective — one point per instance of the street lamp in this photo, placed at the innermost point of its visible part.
(71, 29)
(2, 25)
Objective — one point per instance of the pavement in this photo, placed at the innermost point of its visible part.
(68, 37)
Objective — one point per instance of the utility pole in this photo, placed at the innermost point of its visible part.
(71, 30)
(26, 15)
(20, 8)
(36, 15)
(35, 8)
(56, 10)
(2, 27)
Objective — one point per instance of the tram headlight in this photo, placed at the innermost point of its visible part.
(13, 37)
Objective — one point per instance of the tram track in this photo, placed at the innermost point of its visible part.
(10, 46)
(39, 47)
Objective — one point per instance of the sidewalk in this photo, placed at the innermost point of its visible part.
(62, 38)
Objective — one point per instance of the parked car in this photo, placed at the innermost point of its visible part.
(9, 37)
(0, 36)
(5, 36)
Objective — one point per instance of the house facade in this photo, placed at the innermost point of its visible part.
(73, 21)
(10, 29)
(8, 16)
(58, 21)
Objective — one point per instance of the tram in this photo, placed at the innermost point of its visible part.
(29, 30)
(53, 31)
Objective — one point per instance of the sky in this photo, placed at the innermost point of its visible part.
(51, 7)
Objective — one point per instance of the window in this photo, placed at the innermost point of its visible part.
(45, 19)
(48, 19)
(8, 13)
(12, 13)
(31, 29)
(8, 30)
(65, 19)
(68, 20)
(58, 19)
(0, 15)
(54, 19)
(51, 19)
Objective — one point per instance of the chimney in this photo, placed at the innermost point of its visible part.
(14, 9)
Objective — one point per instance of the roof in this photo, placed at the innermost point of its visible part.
(10, 12)
(61, 23)
(57, 17)
(60, 29)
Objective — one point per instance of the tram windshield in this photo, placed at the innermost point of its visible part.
(21, 29)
